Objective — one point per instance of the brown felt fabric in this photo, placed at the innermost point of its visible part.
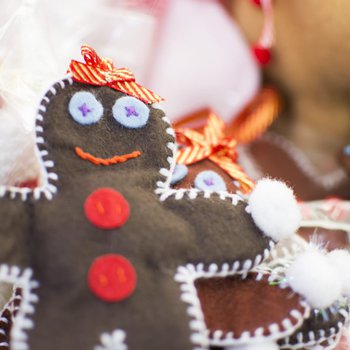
(195, 169)
(56, 240)
(236, 305)
(273, 161)
(14, 225)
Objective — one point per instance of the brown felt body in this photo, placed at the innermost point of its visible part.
(234, 305)
(57, 241)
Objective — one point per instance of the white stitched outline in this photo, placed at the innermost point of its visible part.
(283, 258)
(163, 190)
(327, 343)
(48, 187)
(314, 338)
(113, 341)
(23, 280)
(187, 276)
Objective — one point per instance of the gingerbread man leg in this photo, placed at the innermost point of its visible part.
(153, 318)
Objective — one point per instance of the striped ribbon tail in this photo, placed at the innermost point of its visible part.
(257, 117)
(138, 91)
(214, 131)
(192, 154)
(234, 171)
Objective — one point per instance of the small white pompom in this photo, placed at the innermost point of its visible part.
(274, 209)
(254, 346)
(340, 260)
(312, 276)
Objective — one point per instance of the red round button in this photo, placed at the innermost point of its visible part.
(112, 278)
(107, 209)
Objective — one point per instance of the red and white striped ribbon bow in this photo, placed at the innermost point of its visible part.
(101, 72)
(212, 144)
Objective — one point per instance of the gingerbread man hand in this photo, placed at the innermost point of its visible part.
(105, 235)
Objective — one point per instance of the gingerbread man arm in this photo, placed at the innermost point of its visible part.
(14, 228)
(16, 208)
(224, 232)
(227, 228)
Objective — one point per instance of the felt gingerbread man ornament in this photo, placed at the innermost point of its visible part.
(207, 158)
(105, 239)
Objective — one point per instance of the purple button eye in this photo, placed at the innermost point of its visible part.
(209, 181)
(131, 111)
(84, 109)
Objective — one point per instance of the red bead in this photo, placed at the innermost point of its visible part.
(112, 278)
(107, 209)
(262, 54)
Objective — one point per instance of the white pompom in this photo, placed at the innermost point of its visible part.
(340, 259)
(312, 276)
(254, 346)
(274, 209)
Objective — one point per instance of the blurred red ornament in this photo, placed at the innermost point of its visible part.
(262, 49)
(256, 2)
(262, 54)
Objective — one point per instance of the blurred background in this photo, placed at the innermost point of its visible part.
(189, 51)
(200, 55)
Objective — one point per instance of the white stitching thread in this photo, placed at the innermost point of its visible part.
(187, 276)
(327, 343)
(113, 341)
(282, 258)
(48, 188)
(23, 280)
(313, 339)
(200, 336)
(12, 311)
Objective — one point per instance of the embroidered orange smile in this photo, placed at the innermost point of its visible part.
(106, 161)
